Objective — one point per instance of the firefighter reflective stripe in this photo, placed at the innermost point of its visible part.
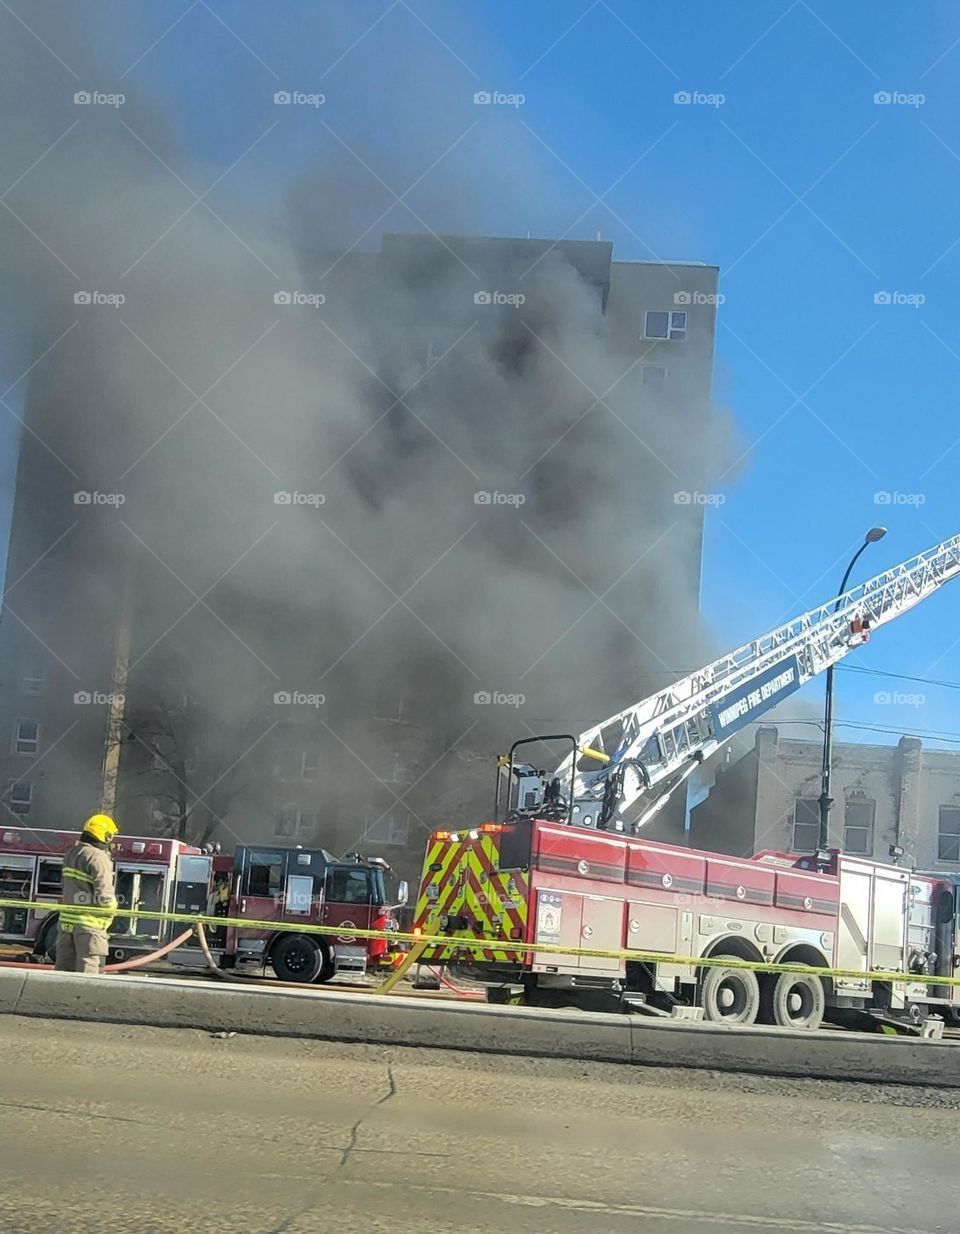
(71, 915)
(88, 876)
(80, 875)
(461, 878)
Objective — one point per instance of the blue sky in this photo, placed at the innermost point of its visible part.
(811, 196)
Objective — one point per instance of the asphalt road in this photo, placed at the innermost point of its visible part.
(112, 1129)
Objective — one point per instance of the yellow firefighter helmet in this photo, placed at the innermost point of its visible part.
(101, 827)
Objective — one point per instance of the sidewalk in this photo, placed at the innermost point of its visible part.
(338, 1016)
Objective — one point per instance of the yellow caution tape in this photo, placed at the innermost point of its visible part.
(460, 942)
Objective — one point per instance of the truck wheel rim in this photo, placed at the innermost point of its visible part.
(731, 997)
(798, 1003)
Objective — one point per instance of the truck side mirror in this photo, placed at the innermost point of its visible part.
(403, 891)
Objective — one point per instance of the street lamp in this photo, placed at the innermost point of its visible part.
(826, 801)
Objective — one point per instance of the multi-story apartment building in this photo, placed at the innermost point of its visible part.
(383, 758)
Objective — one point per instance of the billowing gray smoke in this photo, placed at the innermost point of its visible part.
(387, 582)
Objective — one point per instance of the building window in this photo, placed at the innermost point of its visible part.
(287, 825)
(391, 829)
(20, 797)
(160, 750)
(665, 324)
(26, 737)
(310, 765)
(32, 682)
(858, 827)
(309, 827)
(653, 375)
(806, 825)
(158, 810)
(948, 834)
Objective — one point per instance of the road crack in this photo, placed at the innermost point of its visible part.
(349, 1148)
(355, 1129)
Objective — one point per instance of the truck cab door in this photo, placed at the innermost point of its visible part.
(348, 896)
(348, 902)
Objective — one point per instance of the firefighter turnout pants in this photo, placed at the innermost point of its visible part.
(81, 950)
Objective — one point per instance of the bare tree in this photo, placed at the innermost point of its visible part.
(193, 763)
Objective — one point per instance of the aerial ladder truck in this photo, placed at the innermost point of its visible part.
(564, 861)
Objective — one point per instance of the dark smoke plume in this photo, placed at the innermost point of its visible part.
(385, 583)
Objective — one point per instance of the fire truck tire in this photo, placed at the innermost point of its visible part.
(730, 995)
(792, 1000)
(47, 943)
(298, 958)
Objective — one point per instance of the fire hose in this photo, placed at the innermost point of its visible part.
(208, 956)
(125, 965)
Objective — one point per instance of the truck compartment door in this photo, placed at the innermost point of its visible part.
(16, 879)
(854, 930)
(652, 927)
(889, 920)
(602, 927)
(192, 890)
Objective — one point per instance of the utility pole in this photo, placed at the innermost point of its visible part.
(117, 700)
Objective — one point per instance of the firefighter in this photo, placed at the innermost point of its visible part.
(88, 880)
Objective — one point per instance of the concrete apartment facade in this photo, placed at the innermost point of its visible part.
(58, 634)
(903, 795)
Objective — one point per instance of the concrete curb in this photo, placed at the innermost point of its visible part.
(335, 1016)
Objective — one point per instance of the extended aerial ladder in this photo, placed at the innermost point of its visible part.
(620, 772)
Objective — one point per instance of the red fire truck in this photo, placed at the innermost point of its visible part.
(566, 865)
(531, 881)
(302, 886)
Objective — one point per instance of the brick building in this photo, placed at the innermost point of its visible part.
(902, 795)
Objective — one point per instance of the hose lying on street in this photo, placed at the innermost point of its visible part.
(124, 966)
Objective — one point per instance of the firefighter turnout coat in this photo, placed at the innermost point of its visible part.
(88, 880)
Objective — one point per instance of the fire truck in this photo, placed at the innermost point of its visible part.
(260, 883)
(564, 863)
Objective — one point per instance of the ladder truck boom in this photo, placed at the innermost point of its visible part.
(617, 766)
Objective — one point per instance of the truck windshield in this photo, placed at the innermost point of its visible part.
(387, 886)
